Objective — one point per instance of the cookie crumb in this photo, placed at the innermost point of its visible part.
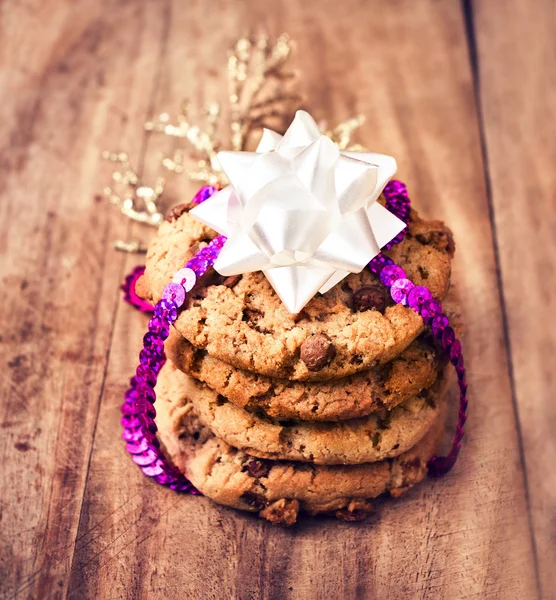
(281, 512)
(369, 298)
(356, 510)
(176, 212)
(254, 500)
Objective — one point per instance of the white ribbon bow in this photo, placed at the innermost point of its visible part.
(301, 211)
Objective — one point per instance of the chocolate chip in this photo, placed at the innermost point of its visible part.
(301, 316)
(177, 211)
(317, 351)
(383, 372)
(423, 272)
(384, 420)
(252, 316)
(257, 467)
(369, 298)
(232, 280)
(254, 500)
(441, 240)
(357, 359)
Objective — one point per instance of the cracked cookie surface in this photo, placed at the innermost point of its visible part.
(383, 434)
(243, 322)
(358, 395)
(278, 490)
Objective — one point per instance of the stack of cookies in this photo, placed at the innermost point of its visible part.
(320, 411)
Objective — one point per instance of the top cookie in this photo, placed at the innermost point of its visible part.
(354, 326)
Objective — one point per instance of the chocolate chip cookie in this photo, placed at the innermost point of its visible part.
(383, 434)
(358, 395)
(351, 328)
(385, 386)
(278, 490)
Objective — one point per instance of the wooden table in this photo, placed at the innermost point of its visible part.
(463, 94)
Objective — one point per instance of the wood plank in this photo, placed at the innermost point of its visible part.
(73, 81)
(516, 49)
(405, 65)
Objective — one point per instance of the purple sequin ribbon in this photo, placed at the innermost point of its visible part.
(130, 295)
(139, 427)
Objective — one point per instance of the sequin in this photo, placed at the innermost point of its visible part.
(204, 194)
(130, 421)
(137, 447)
(460, 367)
(147, 424)
(448, 337)
(164, 478)
(145, 458)
(151, 341)
(152, 359)
(400, 290)
(167, 310)
(145, 392)
(438, 324)
(181, 485)
(455, 351)
(142, 392)
(132, 435)
(198, 265)
(391, 274)
(156, 469)
(431, 308)
(141, 407)
(146, 374)
(219, 241)
(379, 262)
(159, 326)
(131, 395)
(417, 297)
(174, 292)
(186, 278)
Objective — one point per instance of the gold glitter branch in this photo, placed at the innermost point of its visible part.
(252, 65)
(342, 133)
(138, 202)
(260, 95)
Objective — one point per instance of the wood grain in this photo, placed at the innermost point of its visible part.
(68, 91)
(77, 519)
(516, 51)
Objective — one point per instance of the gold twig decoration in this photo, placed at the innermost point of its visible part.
(342, 133)
(138, 201)
(260, 95)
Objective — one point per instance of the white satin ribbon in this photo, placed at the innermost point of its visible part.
(301, 211)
